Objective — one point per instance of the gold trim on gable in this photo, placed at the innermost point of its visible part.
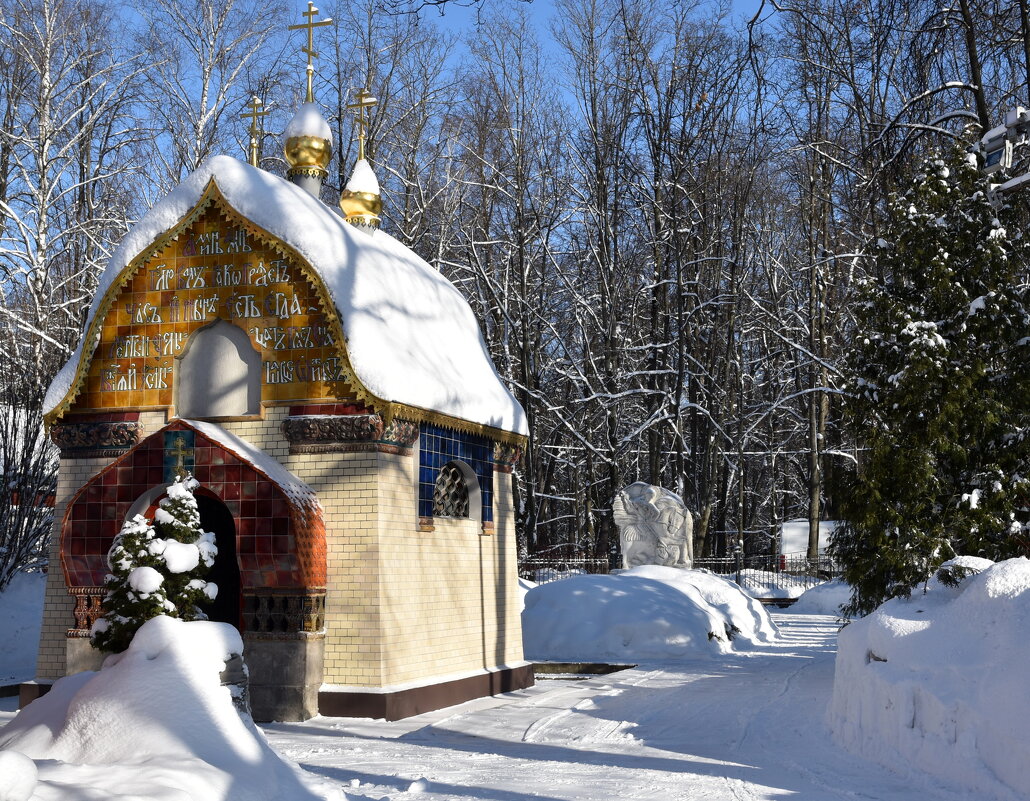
(212, 196)
(416, 414)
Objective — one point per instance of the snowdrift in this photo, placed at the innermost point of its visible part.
(938, 681)
(823, 599)
(647, 612)
(154, 724)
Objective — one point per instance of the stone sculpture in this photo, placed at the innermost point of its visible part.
(655, 527)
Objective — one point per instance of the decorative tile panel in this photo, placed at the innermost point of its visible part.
(214, 270)
(347, 432)
(321, 431)
(82, 439)
(506, 456)
(280, 539)
(437, 447)
(178, 459)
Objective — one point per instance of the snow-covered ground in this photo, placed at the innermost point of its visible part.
(743, 727)
(744, 720)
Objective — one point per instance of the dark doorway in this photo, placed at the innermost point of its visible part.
(215, 517)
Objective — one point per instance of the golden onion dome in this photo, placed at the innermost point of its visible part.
(308, 141)
(360, 200)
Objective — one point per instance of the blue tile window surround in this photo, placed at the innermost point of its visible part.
(437, 447)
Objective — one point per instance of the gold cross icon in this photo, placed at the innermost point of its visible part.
(180, 452)
(310, 26)
(254, 114)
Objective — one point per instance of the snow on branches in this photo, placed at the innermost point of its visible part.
(157, 568)
(937, 392)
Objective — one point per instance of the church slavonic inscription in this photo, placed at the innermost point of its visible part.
(215, 270)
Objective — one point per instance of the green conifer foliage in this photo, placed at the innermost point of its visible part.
(939, 398)
(157, 568)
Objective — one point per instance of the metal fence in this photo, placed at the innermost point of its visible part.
(544, 569)
(765, 576)
(769, 575)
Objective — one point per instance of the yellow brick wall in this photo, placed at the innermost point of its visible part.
(58, 605)
(449, 596)
(509, 611)
(346, 486)
(402, 605)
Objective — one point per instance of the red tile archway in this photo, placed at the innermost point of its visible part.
(280, 539)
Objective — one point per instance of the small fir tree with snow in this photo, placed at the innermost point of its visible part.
(939, 397)
(157, 568)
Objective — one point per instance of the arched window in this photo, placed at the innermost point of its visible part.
(456, 492)
(471, 456)
(218, 374)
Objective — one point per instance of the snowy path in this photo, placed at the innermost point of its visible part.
(742, 728)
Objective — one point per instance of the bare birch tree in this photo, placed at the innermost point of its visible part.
(205, 60)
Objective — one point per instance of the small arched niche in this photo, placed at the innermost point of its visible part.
(218, 374)
(456, 494)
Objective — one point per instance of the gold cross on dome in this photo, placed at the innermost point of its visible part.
(364, 101)
(254, 114)
(310, 26)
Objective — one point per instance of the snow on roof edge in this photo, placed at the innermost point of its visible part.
(297, 490)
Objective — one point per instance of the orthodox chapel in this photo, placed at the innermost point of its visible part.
(333, 395)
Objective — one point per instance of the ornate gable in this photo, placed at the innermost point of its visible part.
(214, 266)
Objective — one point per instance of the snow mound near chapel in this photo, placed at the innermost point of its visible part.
(155, 724)
(823, 599)
(938, 682)
(647, 612)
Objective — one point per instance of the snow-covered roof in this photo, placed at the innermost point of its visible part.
(411, 337)
(296, 490)
(363, 179)
(308, 121)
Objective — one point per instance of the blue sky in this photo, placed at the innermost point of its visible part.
(457, 18)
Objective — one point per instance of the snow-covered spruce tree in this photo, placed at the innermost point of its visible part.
(157, 569)
(940, 399)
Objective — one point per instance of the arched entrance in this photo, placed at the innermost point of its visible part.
(225, 573)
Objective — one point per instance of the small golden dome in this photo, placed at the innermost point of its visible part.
(308, 152)
(309, 140)
(360, 201)
(361, 207)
